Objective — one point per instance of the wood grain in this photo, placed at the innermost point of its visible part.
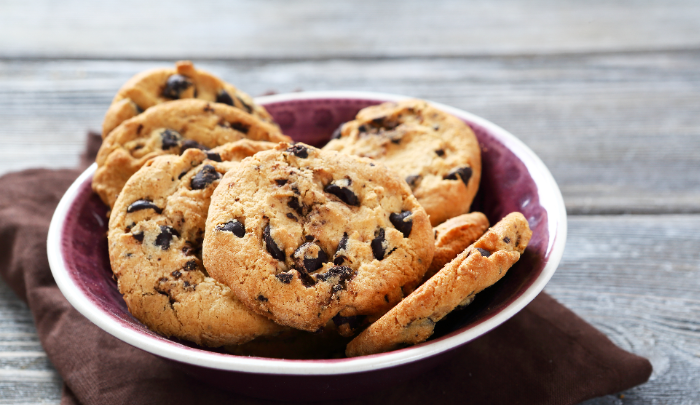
(127, 29)
(636, 278)
(620, 133)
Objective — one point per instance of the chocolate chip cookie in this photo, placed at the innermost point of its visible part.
(303, 235)
(436, 153)
(453, 236)
(156, 86)
(171, 128)
(155, 237)
(478, 267)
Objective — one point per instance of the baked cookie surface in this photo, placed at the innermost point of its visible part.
(303, 235)
(481, 265)
(455, 235)
(436, 153)
(155, 236)
(171, 128)
(157, 86)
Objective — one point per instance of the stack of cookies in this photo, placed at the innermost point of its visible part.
(224, 232)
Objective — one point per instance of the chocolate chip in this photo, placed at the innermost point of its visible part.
(484, 252)
(343, 244)
(182, 174)
(460, 173)
(294, 204)
(214, 156)
(337, 133)
(175, 85)
(170, 139)
(340, 188)
(440, 152)
(138, 236)
(344, 273)
(413, 180)
(506, 239)
(309, 238)
(166, 236)
(385, 123)
(261, 298)
(378, 244)
(224, 97)
(176, 274)
(191, 265)
(291, 216)
(204, 177)
(402, 221)
(362, 128)
(246, 107)
(281, 182)
(271, 246)
(299, 150)
(285, 277)
(309, 257)
(232, 226)
(190, 144)
(240, 127)
(139, 205)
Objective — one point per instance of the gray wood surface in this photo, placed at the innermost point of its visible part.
(607, 93)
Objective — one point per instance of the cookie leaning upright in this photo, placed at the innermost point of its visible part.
(155, 237)
(157, 86)
(170, 128)
(480, 265)
(435, 152)
(302, 235)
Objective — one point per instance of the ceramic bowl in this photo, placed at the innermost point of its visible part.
(513, 179)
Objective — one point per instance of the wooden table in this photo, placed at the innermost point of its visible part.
(608, 95)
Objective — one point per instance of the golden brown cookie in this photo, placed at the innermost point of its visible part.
(302, 235)
(453, 236)
(435, 152)
(157, 86)
(155, 236)
(171, 128)
(478, 267)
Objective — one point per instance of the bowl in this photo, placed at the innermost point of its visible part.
(513, 179)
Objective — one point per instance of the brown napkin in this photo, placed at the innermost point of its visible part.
(543, 355)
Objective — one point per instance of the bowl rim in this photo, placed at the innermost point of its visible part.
(547, 190)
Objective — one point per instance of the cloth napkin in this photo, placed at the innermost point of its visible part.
(543, 355)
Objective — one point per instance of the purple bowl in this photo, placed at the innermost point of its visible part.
(513, 179)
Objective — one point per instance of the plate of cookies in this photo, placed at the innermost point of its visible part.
(316, 241)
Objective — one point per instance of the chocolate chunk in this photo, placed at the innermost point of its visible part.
(460, 173)
(343, 244)
(182, 174)
(261, 298)
(413, 180)
(440, 152)
(271, 246)
(378, 244)
(224, 97)
(285, 277)
(281, 182)
(190, 144)
(340, 188)
(170, 139)
(362, 128)
(344, 273)
(233, 226)
(506, 239)
(339, 260)
(204, 177)
(297, 206)
(299, 150)
(214, 156)
(484, 252)
(139, 205)
(176, 274)
(166, 236)
(309, 238)
(246, 107)
(402, 221)
(338, 132)
(309, 257)
(191, 265)
(384, 123)
(138, 236)
(291, 216)
(175, 85)
(240, 127)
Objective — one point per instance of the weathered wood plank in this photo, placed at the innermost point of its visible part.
(636, 278)
(620, 133)
(360, 28)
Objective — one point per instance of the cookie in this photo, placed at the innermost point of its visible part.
(157, 86)
(453, 236)
(303, 235)
(155, 236)
(481, 265)
(171, 128)
(435, 152)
